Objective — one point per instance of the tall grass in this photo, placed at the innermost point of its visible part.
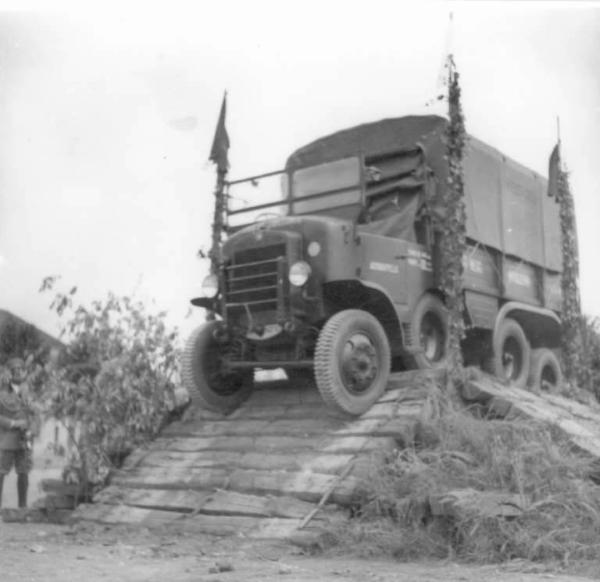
(453, 449)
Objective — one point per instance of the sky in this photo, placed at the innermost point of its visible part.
(107, 118)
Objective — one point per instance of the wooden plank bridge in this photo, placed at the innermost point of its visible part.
(284, 465)
(280, 461)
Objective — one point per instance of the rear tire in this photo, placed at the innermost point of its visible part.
(203, 376)
(511, 359)
(545, 374)
(352, 361)
(429, 327)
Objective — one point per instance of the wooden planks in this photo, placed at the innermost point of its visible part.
(261, 470)
(332, 443)
(301, 410)
(219, 502)
(298, 426)
(305, 485)
(252, 427)
(220, 525)
(184, 501)
(581, 425)
(320, 463)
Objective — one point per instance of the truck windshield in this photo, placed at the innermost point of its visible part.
(326, 186)
(333, 187)
(253, 199)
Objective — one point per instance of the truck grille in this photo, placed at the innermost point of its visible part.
(252, 279)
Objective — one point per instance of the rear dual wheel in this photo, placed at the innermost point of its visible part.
(545, 374)
(429, 326)
(511, 354)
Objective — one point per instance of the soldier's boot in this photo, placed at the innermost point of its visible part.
(22, 486)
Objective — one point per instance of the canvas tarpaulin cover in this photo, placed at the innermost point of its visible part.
(507, 208)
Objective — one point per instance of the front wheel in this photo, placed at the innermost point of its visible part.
(352, 361)
(203, 376)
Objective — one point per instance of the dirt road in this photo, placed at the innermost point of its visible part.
(36, 553)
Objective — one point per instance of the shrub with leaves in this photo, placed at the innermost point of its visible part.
(113, 386)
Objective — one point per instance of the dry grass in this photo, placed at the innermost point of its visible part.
(454, 449)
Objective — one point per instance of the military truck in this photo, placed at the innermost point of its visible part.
(336, 277)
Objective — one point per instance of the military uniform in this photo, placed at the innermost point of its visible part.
(13, 447)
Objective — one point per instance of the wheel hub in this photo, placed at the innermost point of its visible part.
(359, 363)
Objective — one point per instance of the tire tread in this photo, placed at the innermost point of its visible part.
(197, 385)
(325, 374)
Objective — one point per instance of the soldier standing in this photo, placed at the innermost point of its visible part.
(15, 441)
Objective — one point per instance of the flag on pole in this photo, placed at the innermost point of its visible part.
(554, 172)
(220, 145)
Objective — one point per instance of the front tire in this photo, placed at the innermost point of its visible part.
(511, 358)
(352, 361)
(203, 376)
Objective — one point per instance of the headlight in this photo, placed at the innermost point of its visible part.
(299, 273)
(210, 286)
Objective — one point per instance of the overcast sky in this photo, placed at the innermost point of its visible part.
(106, 120)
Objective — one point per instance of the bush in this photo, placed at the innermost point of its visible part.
(460, 451)
(113, 385)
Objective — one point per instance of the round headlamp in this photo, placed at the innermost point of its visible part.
(210, 286)
(299, 273)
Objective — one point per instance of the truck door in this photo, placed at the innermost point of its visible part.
(384, 262)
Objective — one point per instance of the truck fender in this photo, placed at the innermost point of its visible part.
(380, 305)
(390, 324)
(379, 288)
(541, 326)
